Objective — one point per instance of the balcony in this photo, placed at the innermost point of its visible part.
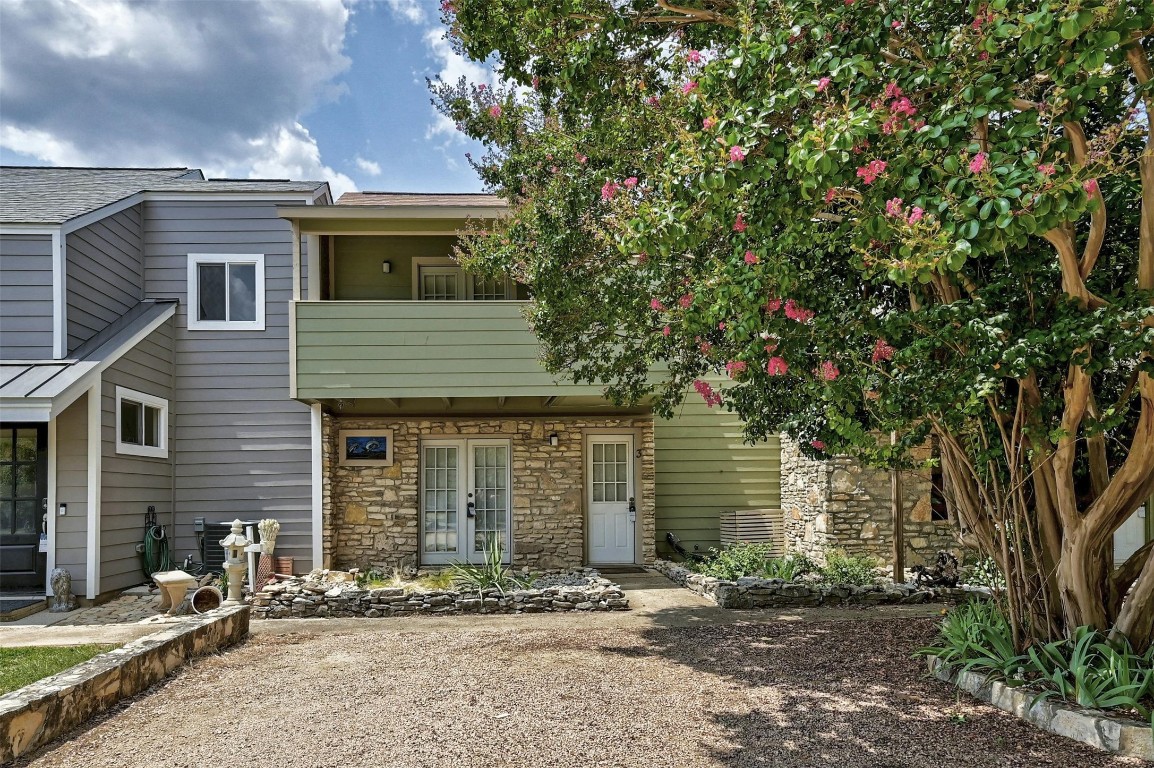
(394, 350)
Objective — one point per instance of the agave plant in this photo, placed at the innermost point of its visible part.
(490, 574)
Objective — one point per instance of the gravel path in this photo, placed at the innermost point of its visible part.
(810, 693)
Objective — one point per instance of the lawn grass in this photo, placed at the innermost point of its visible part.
(21, 666)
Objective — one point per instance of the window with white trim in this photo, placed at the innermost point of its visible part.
(225, 292)
(441, 279)
(141, 424)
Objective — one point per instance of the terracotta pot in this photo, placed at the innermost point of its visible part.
(284, 565)
(206, 599)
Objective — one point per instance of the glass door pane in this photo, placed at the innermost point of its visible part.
(490, 489)
(439, 502)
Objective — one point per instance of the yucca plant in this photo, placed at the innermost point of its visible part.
(490, 574)
(1092, 672)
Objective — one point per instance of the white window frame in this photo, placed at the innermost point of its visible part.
(143, 398)
(194, 261)
(465, 279)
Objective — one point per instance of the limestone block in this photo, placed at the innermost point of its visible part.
(356, 514)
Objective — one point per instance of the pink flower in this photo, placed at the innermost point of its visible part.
(609, 190)
(1046, 169)
(495, 110)
(751, 257)
(581, 158)
(828, 371)
(817, 445)
(693, 57)
(915, 216)
(823, 84)
(448, 7)
(978, 164)
(706, 347)
(689, 87)
(482, 87)
(536, 82)
(984, 56)
(798, 313)
(894, 207)
(710, 397)
(666, 331)
(892, 91)
(772, 306)
(1091, 186)
(830, 194)
(903, 106)
(685, 301)
(656, 305)
(869, 173)
(737, 153)
(739, 224)
(630, 183)
(708, 123)
(895, 24)
(882, 351)
(653, 101)
(734, 368)
(776, 366)
(721, 326)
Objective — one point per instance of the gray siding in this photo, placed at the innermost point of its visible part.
(25, 297)
(105, 273)
(72, 489)
(241, 446)
(130, 484)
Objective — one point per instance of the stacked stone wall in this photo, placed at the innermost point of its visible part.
(371, 514)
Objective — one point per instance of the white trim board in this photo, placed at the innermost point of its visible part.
(317, 468)
(59, 296)
(52, 508)
(95, 446)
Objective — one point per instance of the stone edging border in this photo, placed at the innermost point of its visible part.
(750, 592)
(1120, 736)
(34, 715)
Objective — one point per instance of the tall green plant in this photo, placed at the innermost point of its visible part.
(490, 574)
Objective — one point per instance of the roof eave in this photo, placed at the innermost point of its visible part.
(371, 212)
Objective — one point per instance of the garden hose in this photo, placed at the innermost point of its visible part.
(155, 555)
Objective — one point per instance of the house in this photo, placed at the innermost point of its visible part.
(144, 364)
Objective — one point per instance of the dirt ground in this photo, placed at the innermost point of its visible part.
(837, 692)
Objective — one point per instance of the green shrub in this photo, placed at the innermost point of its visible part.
(985, 573)
(490, 574)
(840, 568)
(755, 560)
(977, 636)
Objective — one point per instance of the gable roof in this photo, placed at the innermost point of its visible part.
(448, 199)
(40, 195)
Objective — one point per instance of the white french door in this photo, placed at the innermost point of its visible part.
(612, 511)
(465, 499)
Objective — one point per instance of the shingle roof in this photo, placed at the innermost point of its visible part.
(420, 198)
(33, 195)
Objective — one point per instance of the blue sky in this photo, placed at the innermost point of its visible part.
(305, 89)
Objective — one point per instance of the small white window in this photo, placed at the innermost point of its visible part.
(225, 292)
(141, 424)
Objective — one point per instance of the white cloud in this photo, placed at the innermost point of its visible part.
(409, 10)
(368, 166)
(213, 84)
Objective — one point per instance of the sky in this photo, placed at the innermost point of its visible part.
(330, 90)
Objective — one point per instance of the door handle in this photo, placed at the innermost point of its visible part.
(632, 509)
(470, 507)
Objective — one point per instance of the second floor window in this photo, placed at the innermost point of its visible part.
(437, 279)
(141, 423)
(226, 292)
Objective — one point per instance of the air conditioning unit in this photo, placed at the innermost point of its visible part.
(208, 536)
(753, 526)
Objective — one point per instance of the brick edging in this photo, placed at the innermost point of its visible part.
(34, 715)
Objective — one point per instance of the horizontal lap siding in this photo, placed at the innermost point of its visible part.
(25, 297)
(703, 467)
(241, 446)
(72, 489)
(104, 273)
(131, 484)
(421, 349)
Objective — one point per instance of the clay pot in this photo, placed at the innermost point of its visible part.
(206, 599)
(284, 566)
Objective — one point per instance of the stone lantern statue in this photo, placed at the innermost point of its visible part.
(235, 562)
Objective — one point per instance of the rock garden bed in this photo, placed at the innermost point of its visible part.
(337, 594)
(750, 592)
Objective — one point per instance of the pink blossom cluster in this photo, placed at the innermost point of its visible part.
(447, 6)
(900, 109)
(776, 366)
(656, 305)
(822, 84)
(895, 209)
(710, 397)
(1091, 186)
(817, 445)
(495, 110)
(689, 87)
(751, 258)
(708, 123)
(685, 301)
(882, 351)
(979, 163)
(630, 183)
(739, 224)
(734, 368)
(609, 190)
(693, 57)
(798, 313)
(827, 371)
(737, 153)
(772, 306)
(1046, 169)
(830, 194)
(869, 173)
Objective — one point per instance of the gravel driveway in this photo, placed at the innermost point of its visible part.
(804, 693)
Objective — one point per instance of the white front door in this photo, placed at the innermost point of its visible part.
(465, 499)
(612, 512)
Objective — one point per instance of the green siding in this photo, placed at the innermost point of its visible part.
(704, 467)
(402, 349)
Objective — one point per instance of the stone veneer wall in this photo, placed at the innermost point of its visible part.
(371, 513)
(837, 503)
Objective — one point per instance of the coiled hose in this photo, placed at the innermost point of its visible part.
(156, 555)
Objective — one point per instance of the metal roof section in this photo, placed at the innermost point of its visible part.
(444, 199)
(37, 390)
(367, 206)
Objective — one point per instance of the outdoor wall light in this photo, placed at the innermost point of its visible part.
(386, 267)
(554, 440)
(62, 510)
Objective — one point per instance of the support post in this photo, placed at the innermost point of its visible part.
(899, 528)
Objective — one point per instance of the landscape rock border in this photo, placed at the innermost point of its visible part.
(748, 592)
(1128, 738)
(34, 715)
(316, 596)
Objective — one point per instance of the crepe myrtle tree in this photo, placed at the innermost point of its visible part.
(934, 218)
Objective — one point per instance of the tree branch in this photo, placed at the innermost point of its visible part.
(1097, 236)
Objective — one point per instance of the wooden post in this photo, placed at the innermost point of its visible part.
(899, 529)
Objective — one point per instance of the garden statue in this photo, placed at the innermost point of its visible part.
(62, 599)
(943, 573)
